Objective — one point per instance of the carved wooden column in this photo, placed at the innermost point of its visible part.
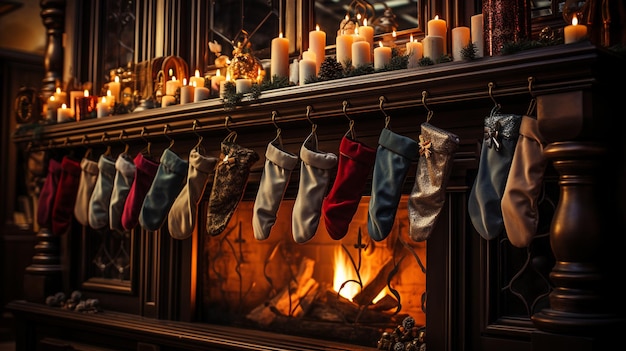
(53, 16)
(583, 301)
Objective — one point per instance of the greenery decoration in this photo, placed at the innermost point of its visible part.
(469, 52)
(425, 61)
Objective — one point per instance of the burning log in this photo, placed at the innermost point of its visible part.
(348, 311)
(376, 285)
(293, 300)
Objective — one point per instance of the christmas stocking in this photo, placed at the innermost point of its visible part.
(65, 198)
(231, 177)
(523, 186)
(168, 183)
(315, 169)
(436, 155)
(393, 159)
(101, 196)
(87, 183)
(124, 178)
(145, 171)
(276, 173)
(181, 220)
(45, 203)
(356, 161)
(501, 134)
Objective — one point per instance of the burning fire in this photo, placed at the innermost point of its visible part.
(346, 272)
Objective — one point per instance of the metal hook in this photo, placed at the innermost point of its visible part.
(491, 85)
(126, 146)
(144, 131)
(351, 121)
(429, 115)
(167, 128)
(232, 135)
(226, 123)
(309, 109)
(382, 100)
(274, 114)
(194, 126)
(278, 130)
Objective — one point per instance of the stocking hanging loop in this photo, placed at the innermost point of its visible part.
(496, 105)
(309, 109)
(345, 104)
(278, 130)
(429, 115)
(166, 129)
(232, 135)
(382, 100)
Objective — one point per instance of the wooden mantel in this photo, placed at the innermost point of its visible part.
(579, 91)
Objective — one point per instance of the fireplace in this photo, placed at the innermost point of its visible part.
(354, 290)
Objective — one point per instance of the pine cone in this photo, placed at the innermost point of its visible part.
(330, 69)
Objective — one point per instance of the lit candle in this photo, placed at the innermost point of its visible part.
(243, 85)
(64, 114)
(279, 61)
(60, 96)
(574, 32)
(201, 93)
(110, 98)
(433, 47)
(438, 27)
(368, 33)
(317, 44)
(216, 82)
(186, 92)
(223, 85)
(344, 48)
(306, 70)
(74, 94)
(361, 55)
(115, 88)
(460, 39)
(478, 35)
(85, 107)
(171, 86)
(53, 105)
(382, 56)
(199, 81)
(103, 107)
(414, 51)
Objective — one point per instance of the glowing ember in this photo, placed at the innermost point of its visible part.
(345, 274)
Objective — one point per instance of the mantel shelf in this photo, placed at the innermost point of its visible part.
(553, 69)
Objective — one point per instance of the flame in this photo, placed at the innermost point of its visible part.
(574, 21)
(344, 271)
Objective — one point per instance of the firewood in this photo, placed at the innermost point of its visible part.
(375, 286)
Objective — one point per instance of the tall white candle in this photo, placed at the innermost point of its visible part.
(438, 27)
(478, 35)
(53, 105)
(433, 47)
(306, 71)
(382, 56)
(361, 53)
(344, 48)
(368, 33)
(317, 44)
(414, 51)
(199, 81)
(186, 92)
(279, 61)
(460, 39)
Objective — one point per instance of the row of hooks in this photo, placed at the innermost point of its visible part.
(196, 125)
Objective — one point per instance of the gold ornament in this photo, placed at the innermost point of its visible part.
(244, 64)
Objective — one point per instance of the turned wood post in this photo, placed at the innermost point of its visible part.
(53, 16)
(583, 300)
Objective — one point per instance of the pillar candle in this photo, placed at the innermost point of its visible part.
(64, 114)
(201, 93)
(414, 51)
(110, 99)
(361, 53)
(344, 48)
(60, 96)
(478, 35)
(52, 105)
(74, 94)
(574, 32)
(85, 107)
(460, 39)
(309, 55)
(186, 92)
(368, 33)
(103, 107)
(243, 85)
(167, 100)
(306, 70)
(199, 81)
(317, 44)
(115, 88)
(279, 61)
(171, 86)
(433, 47)
(382, 56)
(216, 82)
(438, 27)
(294, 74)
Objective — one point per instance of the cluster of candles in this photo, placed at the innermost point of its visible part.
(82, 105)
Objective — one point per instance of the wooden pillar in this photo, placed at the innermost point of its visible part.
(53, 16)
(44, 276)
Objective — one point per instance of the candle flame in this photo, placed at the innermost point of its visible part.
(193, 84)
(217, 73)
(86, 92)
(173, 78)
(411, 37)
(358, 16)
(184, 81)
(365, 21)
(393, 34)
(109, 92)
(64, 106)
(280, 35)
(574, 21)
(58, 90)
(51, 98)
(436, 17)
(380, 43)
(317, 27)
(171, 72)
(117, 79)
(197, 73)
(104, 100)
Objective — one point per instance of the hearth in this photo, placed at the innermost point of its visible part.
(350, 290)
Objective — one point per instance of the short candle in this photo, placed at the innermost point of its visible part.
(574, 32)
(382, 56)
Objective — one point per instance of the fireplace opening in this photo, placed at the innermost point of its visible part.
(351, 290)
